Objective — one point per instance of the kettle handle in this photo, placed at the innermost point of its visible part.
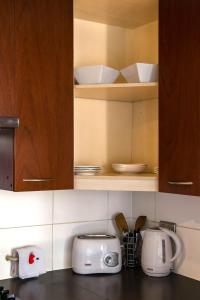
(177, 241)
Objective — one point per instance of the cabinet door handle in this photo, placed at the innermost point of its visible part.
(180, 182)
(38, 179)
(9, 122)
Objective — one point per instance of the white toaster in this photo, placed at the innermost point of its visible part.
(93, 254)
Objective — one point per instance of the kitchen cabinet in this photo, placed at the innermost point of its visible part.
(179, 97)
(36, 86)
(116, 123)
(122, 126)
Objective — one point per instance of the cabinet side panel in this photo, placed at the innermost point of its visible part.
(145, 133)
(96, 43)
(102, 132)
(179, 95)
(142, 46)
(44, 93)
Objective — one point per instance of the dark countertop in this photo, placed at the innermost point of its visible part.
(127, 285)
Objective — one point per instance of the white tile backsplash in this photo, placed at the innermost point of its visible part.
(63, 239)
(181, 209)
(144, 204)
(77, 206)
(51, 219)
(17, 237)
(25, 209)
(119, 202)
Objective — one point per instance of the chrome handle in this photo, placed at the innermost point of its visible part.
(12, 258)
(9, 122)
(180, 182)
(38, 179)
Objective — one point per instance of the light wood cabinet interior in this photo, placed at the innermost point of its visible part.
(112, 131)
(126, 13)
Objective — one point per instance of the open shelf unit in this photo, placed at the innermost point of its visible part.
(116, 123)
(115, 182)
(118, 91)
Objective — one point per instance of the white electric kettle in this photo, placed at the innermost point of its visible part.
(156, 259)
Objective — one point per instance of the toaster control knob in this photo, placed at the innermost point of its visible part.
(111, 259)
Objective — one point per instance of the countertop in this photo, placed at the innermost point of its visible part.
(127, 285)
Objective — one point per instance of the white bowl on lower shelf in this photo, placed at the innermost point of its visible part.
(98, 74)
(129, 168)
(141, 72)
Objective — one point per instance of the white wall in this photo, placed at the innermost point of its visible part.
(51, 219)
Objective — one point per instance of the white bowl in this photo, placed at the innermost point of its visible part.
(98, 74)
(141, 72)
(129, 168)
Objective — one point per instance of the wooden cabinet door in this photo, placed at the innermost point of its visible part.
(43, 92)
(179, 96)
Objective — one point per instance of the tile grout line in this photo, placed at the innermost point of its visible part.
(50, 224)
(83, 221)
(132, 129)
(155, 206)
(185, 227)
(132, 205)
(25, 226)
(107, 211)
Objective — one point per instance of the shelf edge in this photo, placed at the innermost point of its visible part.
(143, 184)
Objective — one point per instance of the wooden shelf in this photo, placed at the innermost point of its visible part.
(129, 14)
(128, 92)
(117, 182)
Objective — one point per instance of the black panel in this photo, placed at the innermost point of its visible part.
(6, 158)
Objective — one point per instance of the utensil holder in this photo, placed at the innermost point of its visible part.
(132, 249)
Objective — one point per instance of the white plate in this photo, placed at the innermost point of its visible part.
(85, 170)
(87, 167)
(129, 168)
(86, 173)
(128, 165)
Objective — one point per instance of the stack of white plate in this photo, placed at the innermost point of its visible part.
(87, 170)
(129, 168)
(156, 170)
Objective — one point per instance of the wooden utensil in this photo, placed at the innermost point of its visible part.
(121, 223)
(140, 222)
